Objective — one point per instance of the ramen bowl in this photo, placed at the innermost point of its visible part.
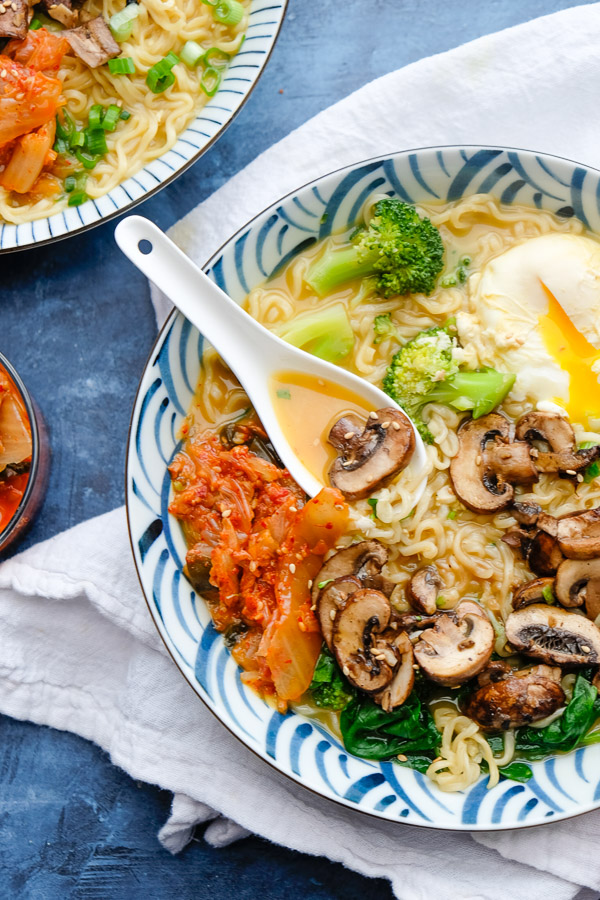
(37, 480)
(296, 746)
(264, 22)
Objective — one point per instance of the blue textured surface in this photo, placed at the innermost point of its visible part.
(78, 325)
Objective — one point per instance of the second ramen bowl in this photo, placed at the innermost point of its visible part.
(299, 748)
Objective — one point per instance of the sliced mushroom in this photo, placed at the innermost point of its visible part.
(473, 484)
(458, 646)
(544, 555)
(333, 598)
(423, 590)
(555, 636)
(556, 432)
(365, 560)
(367, 664)
(578, 534)
(15, 19)
(93, 42)
(496, 670)
(578, 583)
(519, 540)
(518, 699)
(402, 683)
(370, 458)
(64, 11)
(526, 514)
(532, 592)
(510, 462)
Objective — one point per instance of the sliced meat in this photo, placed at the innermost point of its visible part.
(64, 11)
(93, 42)
(14, 21)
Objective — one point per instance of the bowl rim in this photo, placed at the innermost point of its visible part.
(127, 208)
(32, 415)
(167, 324)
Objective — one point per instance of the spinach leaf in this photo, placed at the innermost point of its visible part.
(329, 688)
(516, 771)
(564, 733)
(372, 733)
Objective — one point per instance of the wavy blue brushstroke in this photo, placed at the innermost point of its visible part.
(305, 209)
(153, 531)
(283, 214)
(531, 804)
(489, 183)
(299, 736)
(164, 367)
(413, 161)
(261, 237)
(166, 517)
(140, 496)
(221, 664)
(471, 168)
(280, 236)
(320, 751)
(390, 776)
(157, 423)
(140, 426)
(384, 803)
(360, 788)
(175, 583)
(500, 804)
(275, 723)
(299, 248)
(441, 163)
(577, 195)
(203, 653)
(550, 769)
(343, 761)
(242, 691)
(239, 261)
(535, 788)
(389, 170)
(579, 758)
(512, 190)
(473, 801)
(365, 193)
(183, 342)
(546, 168)
(340, 194)
(424, 784)
(526, 176)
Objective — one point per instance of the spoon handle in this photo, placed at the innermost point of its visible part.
(235, 335)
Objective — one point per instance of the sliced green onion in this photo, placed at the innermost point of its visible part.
(124, 65)
(77, 139)
(210, 2)
(228, 12)
(159, 76)
(95, 141)
(87, 160)
(121, 24)
(216, 58)
(77, 198)
(111, 116)
(95, 116)
(61, 145)
(125, 115)
(211, 79)
(70, 182)
(592, 472)
(548, 595)
(65, 126)
(191, 53)
(75, 186)
(35, 24)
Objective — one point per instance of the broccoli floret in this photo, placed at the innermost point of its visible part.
(383, 328)
(424, 371)
(327, 332)
(329, 688)
(402, 249)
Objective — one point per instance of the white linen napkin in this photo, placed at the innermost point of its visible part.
(78, 650)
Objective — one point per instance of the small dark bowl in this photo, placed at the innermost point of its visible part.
(40, 465)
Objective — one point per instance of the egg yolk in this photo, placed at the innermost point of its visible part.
(574, 354)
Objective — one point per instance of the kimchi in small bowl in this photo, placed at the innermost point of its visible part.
(24, 456)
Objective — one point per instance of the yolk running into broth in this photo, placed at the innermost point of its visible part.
(307, 408)
(573, 353)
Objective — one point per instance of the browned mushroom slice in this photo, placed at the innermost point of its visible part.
(510, 462)
(519, 540)
(526, 514)
(471, 482)
(544, 555)
(578, 583)
(365, 560)
(555, 636)
(423, 589)
(333, 598)
(15, 19)
(532, 592)
(496, 670)
(578, 534)
(518, 699)
(64, 11)
(365, 616)
(370, 458)
(398, 690)
(93, 42)
(554, 430)
(457, 647)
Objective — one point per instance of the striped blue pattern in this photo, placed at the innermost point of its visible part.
(265, 20)
(299, 748)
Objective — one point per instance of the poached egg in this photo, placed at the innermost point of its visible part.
(538, 315)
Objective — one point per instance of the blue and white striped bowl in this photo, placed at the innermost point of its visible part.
(265, 19)
(300, 748)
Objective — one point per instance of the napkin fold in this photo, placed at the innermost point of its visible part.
(78, 649)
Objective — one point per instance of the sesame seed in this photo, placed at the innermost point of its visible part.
(346, 671)
(313, 607)
(402, 757)
(570, 472)
(348, 435)
(13, 6)
(2, 10)
(579, 478)
(310, 583)
(396, 426)
(293, 509)
(585, 648)
(373, 415)
(478, 460)
(252, 566)
(332, 614)
(415, 666)
(385, 424)
(226, 513)
(292, 568)
(3, 73)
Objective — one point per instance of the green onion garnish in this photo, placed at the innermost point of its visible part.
(211, 79)
(95, 116)
(191, 53)
(125, 115)
(35, 24)
(228, 12)
(70, 182)
(86, 159)
(75, 185)
(121, 24)
(548, 595)
(216, 58)
(124, 65)
(95, 141)
(77, 139)
(592, 472)
(111, 116)
(77, 198)
(452, 514)
(210, 2)
(160, 77)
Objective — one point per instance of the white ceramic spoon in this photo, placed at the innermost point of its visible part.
(253, 353)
